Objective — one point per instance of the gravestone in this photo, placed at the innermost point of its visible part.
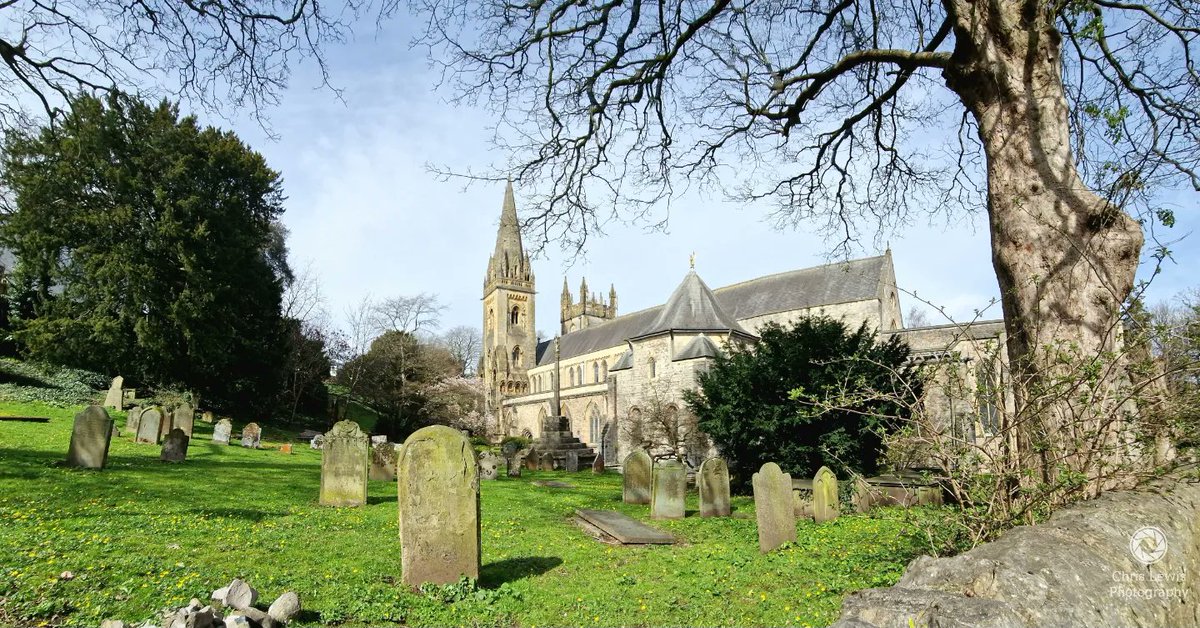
(572, 463)
(165, 425)
(509, 448)
(148, 426)
(317, 441)
(712, 482)
(129, 394)
(184, 418)
(516, 462)
(131, 421)
(345, 464)
(90, 437)
(546, 461)
(379, 439)
(438, 499)
(114, 397)
(489, 466)
(598, 467)
(383, 462)
(208, 417)
(825, 496)
(637, 477)
(668, 491)
(221, 432)
(531, 459)
(175, 446)
(773, 504)
(251, 436)
(863, 497)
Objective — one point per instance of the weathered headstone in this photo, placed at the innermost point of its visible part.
(383, 462)
(531, 459)
(773, 504)
(489, 466)
(175, 446)
(165, 425)
(712, 482)
(598, 465)
(131, 421)
(345, 464)
(438, 498)
(90, 438)
(572, 463)
(825, 496)
(637, 477)
(668, 491)
(208, 417)
(184, 418)
(546, 461)
(221, 432)
(114, 397)
(379, 439)
(863, 495)
(251, 436)
(148, 426)
(317, 441)
(516, 462)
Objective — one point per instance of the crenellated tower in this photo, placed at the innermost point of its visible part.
(509, 339)
(590, 310)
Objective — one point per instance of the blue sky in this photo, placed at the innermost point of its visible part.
(364, 209)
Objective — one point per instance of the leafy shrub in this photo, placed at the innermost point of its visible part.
(60, 386)
(521, 442)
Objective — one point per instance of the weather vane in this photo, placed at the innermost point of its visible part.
(692, 260)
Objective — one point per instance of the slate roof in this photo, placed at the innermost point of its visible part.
(841, 282)
(700, 347)
(626, 362)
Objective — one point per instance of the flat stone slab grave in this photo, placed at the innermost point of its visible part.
(625, 529)
(26, 419)
(551, 484)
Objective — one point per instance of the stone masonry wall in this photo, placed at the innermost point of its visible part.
(1077, 569)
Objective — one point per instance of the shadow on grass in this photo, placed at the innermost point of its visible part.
(380, 499)
(495, 574)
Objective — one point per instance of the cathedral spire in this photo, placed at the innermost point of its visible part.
(508, 237)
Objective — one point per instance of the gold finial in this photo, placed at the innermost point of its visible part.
(692, 260)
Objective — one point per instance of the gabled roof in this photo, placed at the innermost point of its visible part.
(626, 362)
(842, 282)
(700, 347)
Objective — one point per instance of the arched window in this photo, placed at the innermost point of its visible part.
(580, 378)
(516, 357)
(514, 317)
(572, 376)
(604, 371)
(595, 373)
(594, 424)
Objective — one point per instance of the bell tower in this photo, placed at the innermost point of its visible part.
(509, 339)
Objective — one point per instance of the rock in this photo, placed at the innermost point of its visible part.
(241, 595)
(285, 607)
(112, 623)
(219, 595)
(259, 618)
(237, 621)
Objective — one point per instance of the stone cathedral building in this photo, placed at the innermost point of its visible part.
(613, 367)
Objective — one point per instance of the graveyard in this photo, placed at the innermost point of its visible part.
(144, 534)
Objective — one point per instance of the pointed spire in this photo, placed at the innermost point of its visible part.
(509, 251)
(583, 291)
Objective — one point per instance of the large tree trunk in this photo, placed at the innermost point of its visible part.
(1064, 256)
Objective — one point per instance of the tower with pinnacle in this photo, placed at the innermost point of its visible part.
(509, 339)
(590, 310)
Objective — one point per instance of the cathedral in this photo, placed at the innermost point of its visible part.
(606, 370)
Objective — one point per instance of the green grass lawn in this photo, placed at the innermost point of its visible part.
(143, 535)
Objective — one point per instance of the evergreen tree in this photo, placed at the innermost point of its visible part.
(145, 247)
(802, 397)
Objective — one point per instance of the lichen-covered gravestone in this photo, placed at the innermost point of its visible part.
(712, 482)
(132, 420)
(383, 462)
(668, 490)
(114, 397)
(438, 499)
(773, 504)
(516, 462)
(221, 432)
(345, 463)
(184, 418)
(175, 446)
(148, 426)
(637, 477)
(90, 438)
(825, 496)
(489, 466)
(252, 436)
(572, 463)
